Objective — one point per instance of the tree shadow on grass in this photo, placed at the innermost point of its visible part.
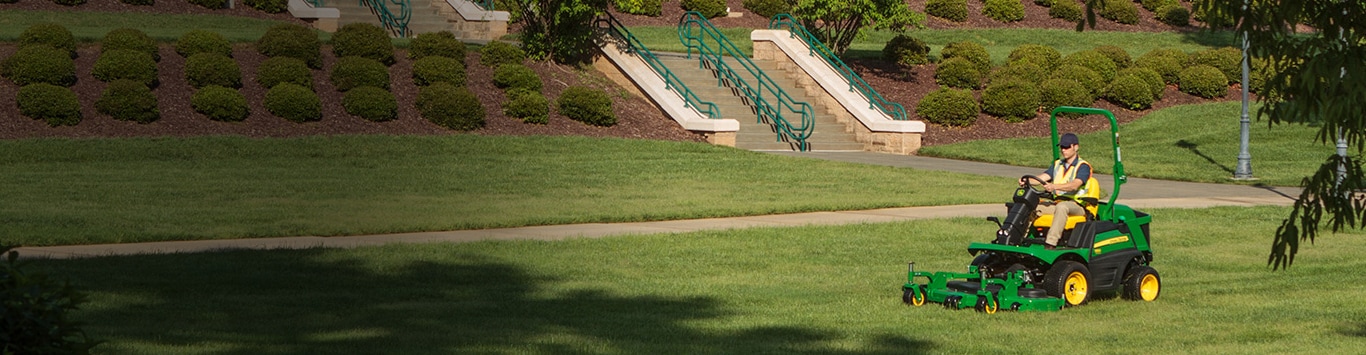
(1195, 148)
(316, 301)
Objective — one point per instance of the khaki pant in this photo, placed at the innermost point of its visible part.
(1060, 210)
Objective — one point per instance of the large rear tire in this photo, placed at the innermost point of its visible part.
(1142, 283)
(1068, 280)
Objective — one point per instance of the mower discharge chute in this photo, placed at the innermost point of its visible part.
(1106, 250)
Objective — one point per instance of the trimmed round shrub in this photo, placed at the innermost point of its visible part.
(1045, 3)
(1153, 5)
(1011, 100)
(268, 6)
(139, 2)
(371, 103)
(958, 73)
(1122, 11)
(1203, 81)
(450, 106)
(1046, 57)
(69, 2)
(130, 38)
(1094, 60)
(1228, 60)
(354, 72)
(56, 105)
(210, 4)
(39, 64)
(708, 8)
(642, 7)
(530, 107)
(765, 8)
(363, 40)
(432, 69)
(498, 53)
(206, 69)
(1083, 75)
(972, 51)
(290, 40)
(128, 100)
(1004, 10)
(126, 64)
(1117, 55)
(1152, 78)
(952, 10)
(1212, 20)
(1167, 62)
(586, 105)
(1130, 92)
(1027, 71)
(949, 107)
(50, 34)
(1069, 10)
(906, 51)
(1175, 15)
(442, 44)
(278, 70)
(516, 77)
(201, 41)
(293, 102)
(1064, 92)
(220, 103)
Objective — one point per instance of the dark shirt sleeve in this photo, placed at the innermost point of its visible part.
(1084, 173)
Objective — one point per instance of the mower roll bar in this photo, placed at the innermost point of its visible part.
(1120, 177)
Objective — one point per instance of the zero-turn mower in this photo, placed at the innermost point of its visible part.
(1106, 250)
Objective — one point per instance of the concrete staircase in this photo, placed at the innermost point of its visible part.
(827, 135)
(427, 16)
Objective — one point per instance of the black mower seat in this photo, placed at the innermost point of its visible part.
(971, 287)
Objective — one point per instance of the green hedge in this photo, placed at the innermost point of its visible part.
(220, 104)
(530, 107)
(291, 40)
(1022, 70)
(1228, 60)
(646, 7)
(201, 41)
(126, 64)
(949, 107)
(498, 53)
(1117, 55)
(268, 6)
(51, 34)
(39, 64)
(1046, 57)
(708, 8)
(1083, 75)
(1167, 62)
(958, 73)
(363, 40)
(906, 51)
(1130, 92)
(1152, 78)
(515, 78)
(206, 69)
(56, 105)
(1004, 10)
(1064, 92)
(443, 44)
(1012, 100)
(1067, 10)
(1122, 11)
(952, 10)
(1094, 60)
(130, 38)
(972, 51)
(128, 100)
(1174, 15)
(293, 102)
(587, 105)
(450, 106)
(432, 69)
(1203, 81)
(371, 103)
(765, 8)
(353, 72)
(278, 70)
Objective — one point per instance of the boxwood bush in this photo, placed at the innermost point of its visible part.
(587, 105)
(642, 7)
(39, 64)
(363, 40)
(1094, 60)
(128, 100)
(972, 51)
(1046, 57)
(1175, 15)
(450, 106)
(206, 69)
(1213, 20)
(443, 44)
(353, 72)
(201, 41)
(268, 6)
(371, 103)
(516, 78)
(291, 40)
(1022, 70)
(1083, 75)
(906, 51)
(220, 103)
(1153, 5)
(293, 102)
(1004, 10)
(765, 8)
(1122, 11)
(130, 38)
(530, 107)
(1045, 3)
(949, 107)
(50, 34)
(958, 73)
(708, 8)
(498, 53)
(1011, 100)
(1152, 78)
(432, 69)
(56, 105)
(1228, 60)
(1064, 92)
(1203, 81)
(1117, 55)
(1130, 92)
(1069, 10)
(126, 64)
(952, 10)
(1167, 62)
(278, 70)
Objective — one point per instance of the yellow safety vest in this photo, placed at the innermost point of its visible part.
(1090, 189)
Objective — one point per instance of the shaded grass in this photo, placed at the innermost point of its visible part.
(830, 289)
(61, 191)
(1186, 143)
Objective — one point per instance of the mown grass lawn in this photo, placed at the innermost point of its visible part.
(765, 290)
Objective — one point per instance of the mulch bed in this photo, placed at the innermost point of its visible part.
(637, 117)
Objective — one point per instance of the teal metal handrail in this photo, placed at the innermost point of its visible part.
(856, 82)
(696, 32)
(671, 81)
(396, 24)
(486, 4)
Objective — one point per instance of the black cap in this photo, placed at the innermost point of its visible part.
(1067, 140)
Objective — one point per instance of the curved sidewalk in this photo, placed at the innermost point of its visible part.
(1137, 193)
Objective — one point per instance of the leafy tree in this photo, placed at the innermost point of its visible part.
(1319, 78)
(559, 30)
(838, 22)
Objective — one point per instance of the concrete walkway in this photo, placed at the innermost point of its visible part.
(1137, 193)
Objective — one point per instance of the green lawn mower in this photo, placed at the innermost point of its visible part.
(1107, 250)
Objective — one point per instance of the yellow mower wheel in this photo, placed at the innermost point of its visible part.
(1142, 283)
(1068, 280)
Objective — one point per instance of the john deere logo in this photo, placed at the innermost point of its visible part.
(1019, 192)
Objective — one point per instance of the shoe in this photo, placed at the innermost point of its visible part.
(1049, 247)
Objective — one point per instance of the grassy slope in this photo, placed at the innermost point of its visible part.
(763, 290)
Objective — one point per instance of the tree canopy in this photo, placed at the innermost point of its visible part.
(559, 30)
(838, 22)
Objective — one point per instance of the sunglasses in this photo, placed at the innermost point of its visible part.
(1068, 146)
